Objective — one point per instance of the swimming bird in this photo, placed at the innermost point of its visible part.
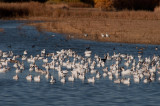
(71, 78)
(63, 80)
(47, 76)
(136, 79)
(18, 70)
(3, 70)
(91, 80)
(25, 52)
(145, 80)
(98, 75)
(15, 77)
(37, 78)
(117, 81)
(104, 74)
(156, 48)
(52, 80)
(87, 53)
(29, 77)
(126, 81)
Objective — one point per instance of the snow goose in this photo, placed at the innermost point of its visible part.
(15, 77)
(117, 81)
(52, 80)
(29, 77)
(25, 52)
(126, 81)
(91, 80)
(63, 80)
(71, 78)
(37, 78)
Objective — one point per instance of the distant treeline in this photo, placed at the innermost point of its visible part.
(108, 4)
(120, 4)
(136, 4)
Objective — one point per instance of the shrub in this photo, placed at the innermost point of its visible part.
(127, 4)
(104, 4)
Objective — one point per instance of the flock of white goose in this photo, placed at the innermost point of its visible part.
(67, 65)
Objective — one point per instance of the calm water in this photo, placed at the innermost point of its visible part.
(103, 92)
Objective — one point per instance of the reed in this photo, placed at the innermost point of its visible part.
(26, 9)
(35, 9)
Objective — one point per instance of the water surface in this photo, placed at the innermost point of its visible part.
(103, 92)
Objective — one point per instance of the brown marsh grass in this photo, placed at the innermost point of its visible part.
(26, 9)
(122, 26)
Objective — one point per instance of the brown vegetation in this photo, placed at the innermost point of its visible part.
(120, 30)
(79, 5)
(127, 4)
(27, 9)
(122, 26)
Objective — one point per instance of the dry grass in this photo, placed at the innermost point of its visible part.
(79, 5)
(35, 9)
(120, 30)
(27, 9)
(122, 26)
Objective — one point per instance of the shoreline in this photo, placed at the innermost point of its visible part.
(115, 36)
(136, 27)
(132, 33)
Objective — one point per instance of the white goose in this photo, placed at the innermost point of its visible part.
(71, 78)
(63, 80)
(81, 77)
(31, 69)
(47, 76)
(15, 77)
(52, 80)
(145, 80)
(29, 77)
(91, 80)
(136, 79)
(126, 81)
(87, 53)
(18, 70)
(37, 78)
(117, 81)
(25, 52)
(107, 35)
(102, 35)
(104, 74)
(3, 70)
(98, 75)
